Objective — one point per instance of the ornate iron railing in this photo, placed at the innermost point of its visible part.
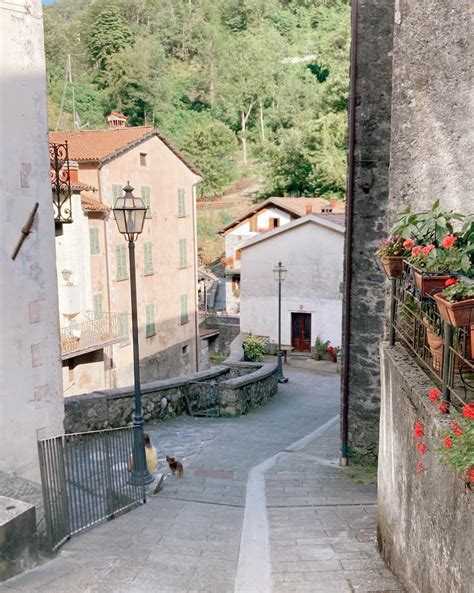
(445, 353)
(85, 480)
(90, 335)
(60, 182)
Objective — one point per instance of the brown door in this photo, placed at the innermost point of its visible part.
(301, 331)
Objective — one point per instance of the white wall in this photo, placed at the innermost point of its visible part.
(31, 402)
(313, 256)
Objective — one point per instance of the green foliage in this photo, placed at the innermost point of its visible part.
(108, 35)
(254, 348)
(459, 455)
(459, 291)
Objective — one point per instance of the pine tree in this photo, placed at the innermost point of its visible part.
(108, 36)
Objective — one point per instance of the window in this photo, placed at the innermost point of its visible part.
(98, 305)
(143, 159)
(184, 308)
(121, 262)
(148, 258)
(185, 349)
(117, 191)
(123, 324)
(146, 199)
(150, 321)
(181, 203)
(94, 241)
(183, 259)
(274, 223)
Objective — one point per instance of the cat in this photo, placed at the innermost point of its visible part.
(176, 466)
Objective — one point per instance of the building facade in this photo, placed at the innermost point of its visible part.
(31, 402)
(311, 249)
(96, 254)
(260, 219)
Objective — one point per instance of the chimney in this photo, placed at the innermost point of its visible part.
(73, 172)
(116, 120)
(333, 202)
(309, 209)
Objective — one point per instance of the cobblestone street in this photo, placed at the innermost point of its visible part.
(262, 507)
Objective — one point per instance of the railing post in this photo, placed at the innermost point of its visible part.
(393, 310)
(448, 341)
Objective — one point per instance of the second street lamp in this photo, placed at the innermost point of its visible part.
(279, 273)
(129, 212)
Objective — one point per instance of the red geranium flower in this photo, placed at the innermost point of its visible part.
(434, 394)
(448, 241)
(427, 249)
(448, 442)
(468, 411)
(419, 468)
(418, 430)
(453, 425)
(416, 250)
(471, 475)
(450, 282)
(458, 431)
(408, 243)
(421, 448)
(443, 408)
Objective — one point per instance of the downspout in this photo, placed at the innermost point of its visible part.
(196, 316)
(348, 243)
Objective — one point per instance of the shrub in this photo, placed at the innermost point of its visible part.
(253, 348)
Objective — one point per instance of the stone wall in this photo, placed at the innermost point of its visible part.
(412, 146)
(167, 398)
(229, 328)
(424, 521)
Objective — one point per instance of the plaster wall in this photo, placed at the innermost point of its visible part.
(313, 255)
(31, 402)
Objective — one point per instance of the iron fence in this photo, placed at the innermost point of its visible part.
(60, 182)
(92, 334)
(85, 480)
(445, 353)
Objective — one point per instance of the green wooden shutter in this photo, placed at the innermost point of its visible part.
(181, 203)
(121, 262)
(123, 324)
(150, 320)
(183, 260)
(117, 191)
(146, 199)
(99, 305)
(94, 241)
(148, 258)
(184, 308)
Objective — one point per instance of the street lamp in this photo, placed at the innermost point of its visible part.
(279, 272)
(129, 213)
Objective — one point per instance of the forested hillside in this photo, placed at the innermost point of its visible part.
(229, 81)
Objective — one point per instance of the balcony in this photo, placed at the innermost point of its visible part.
(94, 334)
(60, 182)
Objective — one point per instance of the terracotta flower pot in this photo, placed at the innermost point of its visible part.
(456, 314)
(429, 284)
(435, 343)
(392, 265)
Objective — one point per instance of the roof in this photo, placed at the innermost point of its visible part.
(79, 186)
(205, 334)
(318, 219)
(90, 204)
(103, 145)
(295, 206)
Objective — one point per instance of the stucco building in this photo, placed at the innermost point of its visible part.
(260, 219)
(311, 248)
(92, 260)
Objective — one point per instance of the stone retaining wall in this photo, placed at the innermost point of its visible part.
(240, 386)
(423, 520)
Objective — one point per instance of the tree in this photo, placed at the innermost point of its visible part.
(108, 36)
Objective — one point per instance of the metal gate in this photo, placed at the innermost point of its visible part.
(203, 398)
(85, 480)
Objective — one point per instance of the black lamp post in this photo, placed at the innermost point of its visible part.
(129, 212)
(279, 272)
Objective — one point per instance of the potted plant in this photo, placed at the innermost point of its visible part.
(456, 302)
(332, 352)
(392, 253)
(320, 348)
(435, 343)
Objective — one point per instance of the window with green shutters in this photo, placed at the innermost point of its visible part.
(181, 203)
(148, 258)
(184, 308)
(98, 305)
(117, 191)
(123, 325)
(150, 320)
(183, 259)
(121, 262)
(94, 241)
(146, 199)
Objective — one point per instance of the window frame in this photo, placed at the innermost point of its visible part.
(184, 316)
(98, 297)
(183, 254)
(148, 269)
(181, 202)
(94, 241)
(121, 263)
(150, 325)
(146, 197)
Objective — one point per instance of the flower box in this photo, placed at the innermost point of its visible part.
(392, 265)
(457, 314)
(429, 284)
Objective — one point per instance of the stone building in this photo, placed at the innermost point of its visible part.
(92, 260)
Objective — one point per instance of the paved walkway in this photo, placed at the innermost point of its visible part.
(262, 508)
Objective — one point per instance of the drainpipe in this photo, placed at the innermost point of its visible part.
(196, 316)
(348, 243)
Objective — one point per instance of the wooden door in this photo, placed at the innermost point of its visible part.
(301, 332)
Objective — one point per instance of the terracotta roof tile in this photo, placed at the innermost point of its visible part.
(90, 204)
(79, 186)
(99, 145)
